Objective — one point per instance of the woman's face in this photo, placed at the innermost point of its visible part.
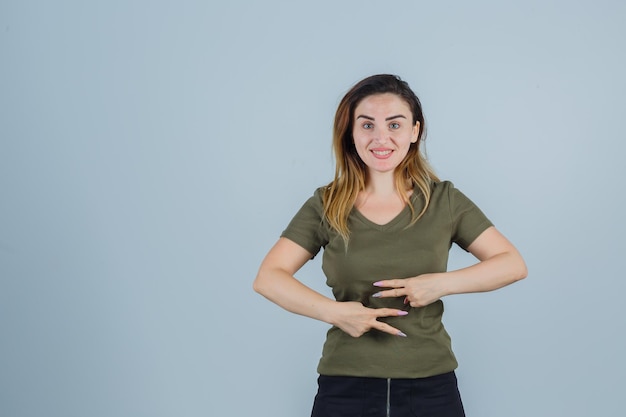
(383, 131)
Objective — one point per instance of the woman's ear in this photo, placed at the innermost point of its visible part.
(415, 133)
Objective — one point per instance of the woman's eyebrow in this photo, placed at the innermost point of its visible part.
(397, 116)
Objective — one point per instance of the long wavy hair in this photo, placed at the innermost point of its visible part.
(351, 172)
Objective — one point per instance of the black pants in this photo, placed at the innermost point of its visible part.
(435, 396)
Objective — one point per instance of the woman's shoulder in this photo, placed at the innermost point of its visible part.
(319, 191)
(318, 194)
(317, 199)
(441, 187)
(444, 192)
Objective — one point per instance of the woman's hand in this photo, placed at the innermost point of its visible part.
(417, 291)
(355, 319)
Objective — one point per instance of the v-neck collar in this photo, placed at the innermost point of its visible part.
(390, 225)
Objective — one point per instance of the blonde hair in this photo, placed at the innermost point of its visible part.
(350, 171)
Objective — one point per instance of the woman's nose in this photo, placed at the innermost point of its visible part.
(382, 136)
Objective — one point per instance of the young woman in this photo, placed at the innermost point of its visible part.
(386, 223)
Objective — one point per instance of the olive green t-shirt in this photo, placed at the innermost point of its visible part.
(376, 252)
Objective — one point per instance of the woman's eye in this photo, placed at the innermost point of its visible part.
(394, 125)
(367, 126)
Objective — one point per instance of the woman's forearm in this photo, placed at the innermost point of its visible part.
(280, 287)
(488, 275)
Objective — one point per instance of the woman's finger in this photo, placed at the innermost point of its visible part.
(390, 312)
(390, 283)
(396, 292)
(384, 327)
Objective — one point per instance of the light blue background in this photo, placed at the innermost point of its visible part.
(152, 152)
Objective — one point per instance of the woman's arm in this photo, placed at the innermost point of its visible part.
(500, 265)
(275, 281)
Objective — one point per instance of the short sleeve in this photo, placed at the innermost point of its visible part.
(307, 226)
(468, 221)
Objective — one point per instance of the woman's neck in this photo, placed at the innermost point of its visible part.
(381, 184)
(380, 201)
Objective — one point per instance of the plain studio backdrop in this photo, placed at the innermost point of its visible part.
(151, 153)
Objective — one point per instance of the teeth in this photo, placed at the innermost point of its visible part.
(382, 153)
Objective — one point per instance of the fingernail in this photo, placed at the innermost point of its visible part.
(377, 284)
(401, 334)
(377, 295)
(402, 313)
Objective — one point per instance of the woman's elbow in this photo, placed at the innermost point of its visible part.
(258, 285)
(520, 270)
(265, 280)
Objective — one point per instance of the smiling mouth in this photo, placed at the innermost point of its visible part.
(382, 153)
